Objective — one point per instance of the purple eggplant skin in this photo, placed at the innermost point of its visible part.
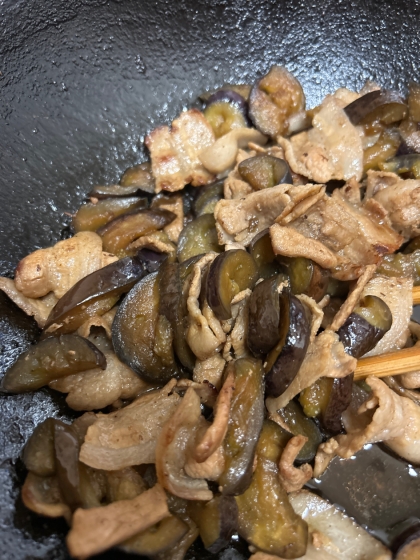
(67, 449)
(338, 402)
(114, 279)
(264, 317)
(358, 336)
(385, 106)
(405, 543)
(242, 437)
(118, 191)
(229, 96)
(172, 305)
(52, 358)
(285, 359)
(217, 520)
(360, 333)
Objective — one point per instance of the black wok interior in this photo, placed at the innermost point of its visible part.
(82, 82)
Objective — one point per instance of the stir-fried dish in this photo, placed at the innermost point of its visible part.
(229, 318)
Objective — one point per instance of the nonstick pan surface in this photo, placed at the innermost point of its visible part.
(81, 83)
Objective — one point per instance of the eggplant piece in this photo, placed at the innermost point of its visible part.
(414, 245)
(208, 198)
(365, 326)
(306, 277)
(229, 273)
(406, 545)
(38, 454)
(264, 317)
(314, 399)
(414, 102)
(142, 338)
(90, 217)
(139, 176)
(328, 399)
(241, 89)
(216, 520)
(158, 539)
(120, 232)
(265, 171)
(102, 192)
(52, 358)
(339, 400)
(284, 361)
(401, 165)
(387, 107)
(76, 481)
(385, 148)
(197, 237)
(273, 99)
(66, 446)
(173, 305)
(96, 293)
(299, 424)
(226, 110)
(242, 435)
(262, 252)
(403, 265)
(266, 518)
(363, 329)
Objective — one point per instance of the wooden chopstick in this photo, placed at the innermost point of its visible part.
(394, 363)
(416, 295)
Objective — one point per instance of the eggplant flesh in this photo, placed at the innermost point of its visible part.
(306, 277)
(198, 237)
(120, 232)
(208, 198)
(284, 361)
(217, 520)
(273, 99)
(52, 358)
(139, 176)
(262, 252)
(265, 171)
(299, 424)
(90, 216)
(266, 518)
(229, 273)
(242, 437)
(365, 327)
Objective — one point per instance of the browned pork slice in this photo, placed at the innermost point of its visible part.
(241, 219)
(95, 389)
(397, 293)
(128, 436)
(352, 235)
(56, 269)
(174, 152)
(332, 149)
(399, 197)
(38, 308)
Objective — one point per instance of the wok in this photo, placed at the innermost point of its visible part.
(81, 84)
